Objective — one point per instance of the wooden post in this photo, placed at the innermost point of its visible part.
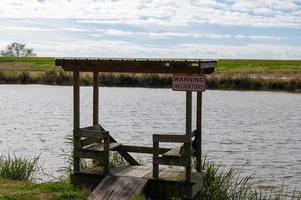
(188, 133)
(198, 136)
(107, 154)
(155, 158)
(76, 118)
(95, 98)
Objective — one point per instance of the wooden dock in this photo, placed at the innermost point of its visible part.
(96, 143)
(128, 181)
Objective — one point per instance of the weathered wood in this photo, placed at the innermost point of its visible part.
(171, 138)
(141, 149)
(187, 146)
(101, 146)
(106, 148)
(88, 141)
(124, 154)
(94, 127)
(170, 185)
(97, 155)
(155, 157)
(76, 119)
(95, 98)
(91, 133)
(174, 152)
(198, 135)
(174, 161)
(171, 66)
(115, 188)
(76, 101)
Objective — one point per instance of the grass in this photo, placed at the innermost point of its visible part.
(26, 64)
(230, 74)
(16, 182)
(218, 184)
(23, 190)
(259, 66)
(230, 185)
(224, 65)
(18, 168)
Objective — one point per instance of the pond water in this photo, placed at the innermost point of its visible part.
(257, 131)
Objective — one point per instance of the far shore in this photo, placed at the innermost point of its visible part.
(278, 75)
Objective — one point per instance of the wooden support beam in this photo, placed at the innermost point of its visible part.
(187, 146)
(106, 168)
(141, 149)
(155, 157)
(171, 138)
(95, 98)
(124, 154)
(76, 119)
(170, 66)
(176, 161)
(198, 136)
(76, 100)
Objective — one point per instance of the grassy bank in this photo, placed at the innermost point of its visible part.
(230, 74)
(218, 184)
(25, 190)
(17, 182)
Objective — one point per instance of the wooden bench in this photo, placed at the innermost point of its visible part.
(94, 143)
(175, 156)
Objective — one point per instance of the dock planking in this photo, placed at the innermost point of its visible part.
(128, 181)
(115, 188)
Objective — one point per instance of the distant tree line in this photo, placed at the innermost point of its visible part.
(17, 50)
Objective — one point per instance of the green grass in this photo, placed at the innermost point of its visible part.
(16, 182)
(224, 65)
(26, 64)
(282, 75)
(18, 168)
(221, 184)
(22, 190)
(259, 66)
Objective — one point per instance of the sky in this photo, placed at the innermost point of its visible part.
(246, 29)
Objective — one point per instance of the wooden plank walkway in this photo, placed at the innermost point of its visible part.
(115, 188)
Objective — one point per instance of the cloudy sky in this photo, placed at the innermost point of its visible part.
(155, 28)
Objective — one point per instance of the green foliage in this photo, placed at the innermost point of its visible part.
(17, 50)
(230, 74)
(20, 190)
(18, 168)
(117, 160)
(230, 185)
(69, 195)
(258, 66)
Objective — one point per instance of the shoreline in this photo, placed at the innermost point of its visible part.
(287, 82)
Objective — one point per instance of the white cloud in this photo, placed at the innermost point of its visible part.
(172, 35)
(24, 28)
(106, 48)
(278, 13)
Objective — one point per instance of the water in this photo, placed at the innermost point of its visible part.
(259, 131)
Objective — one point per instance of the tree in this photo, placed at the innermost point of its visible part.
(17, 50)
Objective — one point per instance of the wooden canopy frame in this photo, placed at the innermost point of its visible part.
(154, 66)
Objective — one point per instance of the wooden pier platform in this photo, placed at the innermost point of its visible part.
(128, 181)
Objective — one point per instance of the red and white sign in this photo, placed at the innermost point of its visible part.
(189, 83)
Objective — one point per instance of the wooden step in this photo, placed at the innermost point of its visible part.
(100, 146)
(117, 188)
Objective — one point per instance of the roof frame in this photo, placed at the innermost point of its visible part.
(137, 65)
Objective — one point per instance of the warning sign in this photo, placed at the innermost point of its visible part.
(189, 83)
